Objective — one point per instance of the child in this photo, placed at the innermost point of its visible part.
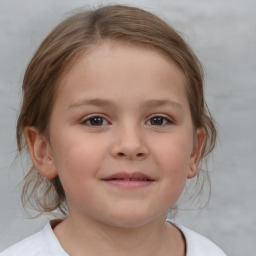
(115, 121)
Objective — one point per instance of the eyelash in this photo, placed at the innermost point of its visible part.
(90, 118)
(168, 121)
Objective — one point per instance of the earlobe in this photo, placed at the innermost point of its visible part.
(40, 152)
(196, 154)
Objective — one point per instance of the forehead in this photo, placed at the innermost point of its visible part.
(112, 67)
(100, 50)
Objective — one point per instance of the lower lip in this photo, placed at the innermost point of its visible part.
(129, 183)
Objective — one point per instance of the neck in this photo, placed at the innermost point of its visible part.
(97, 238)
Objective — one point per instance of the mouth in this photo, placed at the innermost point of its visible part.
(129, 180)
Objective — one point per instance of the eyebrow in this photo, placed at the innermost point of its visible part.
(108, 103)
(93, 102)
(162, 102)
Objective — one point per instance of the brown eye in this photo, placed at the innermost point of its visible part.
(95, 121)
(159, 120)
(156, 121)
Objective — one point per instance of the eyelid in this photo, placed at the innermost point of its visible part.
(88, 117)
(85, 119)
(167, 117)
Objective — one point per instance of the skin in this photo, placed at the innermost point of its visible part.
(127, 87)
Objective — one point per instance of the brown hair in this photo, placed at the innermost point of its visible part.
(64, 44)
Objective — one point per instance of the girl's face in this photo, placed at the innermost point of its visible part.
(121, 136)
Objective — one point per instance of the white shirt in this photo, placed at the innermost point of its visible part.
(45, 243)
(198, 245)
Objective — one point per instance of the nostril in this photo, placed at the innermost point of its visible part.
(123, 154)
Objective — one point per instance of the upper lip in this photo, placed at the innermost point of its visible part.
(129, 176)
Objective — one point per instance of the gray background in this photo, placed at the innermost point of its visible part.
(222, 33)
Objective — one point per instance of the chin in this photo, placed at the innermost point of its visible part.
(131, 220)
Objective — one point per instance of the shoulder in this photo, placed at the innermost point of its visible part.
(199, 245)
(30, 246)
(40, 244)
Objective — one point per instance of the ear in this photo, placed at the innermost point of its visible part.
(196, 154)
(40, 152)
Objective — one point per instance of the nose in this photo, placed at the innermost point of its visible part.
(129, 144)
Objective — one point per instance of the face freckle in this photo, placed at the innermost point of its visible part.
(106, 149)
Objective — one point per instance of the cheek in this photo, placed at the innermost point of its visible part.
(173, 159)
(174, 152)
(74, 159)
(77, 166)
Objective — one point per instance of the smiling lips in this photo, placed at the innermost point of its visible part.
(129, 180)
